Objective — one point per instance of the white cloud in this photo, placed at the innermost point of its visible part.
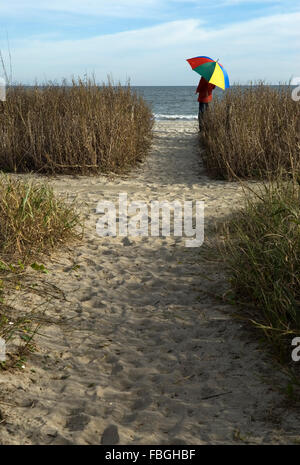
(265, 48)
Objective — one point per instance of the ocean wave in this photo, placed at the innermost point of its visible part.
(159, 117)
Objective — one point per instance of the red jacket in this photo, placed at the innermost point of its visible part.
(204, 90)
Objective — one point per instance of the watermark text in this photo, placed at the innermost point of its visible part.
(153, 218)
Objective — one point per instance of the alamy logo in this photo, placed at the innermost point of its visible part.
(2, 89)
(296, 351)
(149, 218)
(2, 350)
(296, 92)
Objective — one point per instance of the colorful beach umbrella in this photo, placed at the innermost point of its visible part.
(211, 70)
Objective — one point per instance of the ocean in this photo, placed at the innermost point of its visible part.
(172, 103)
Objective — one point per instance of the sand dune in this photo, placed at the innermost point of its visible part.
(144, 354)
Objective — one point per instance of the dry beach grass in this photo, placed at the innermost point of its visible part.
(252, 133)
(76, 127)
(261, 248)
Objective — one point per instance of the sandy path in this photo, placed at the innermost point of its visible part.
(144, 347)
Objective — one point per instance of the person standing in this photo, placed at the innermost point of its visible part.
(204, 90)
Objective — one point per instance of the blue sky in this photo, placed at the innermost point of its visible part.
(149, 40)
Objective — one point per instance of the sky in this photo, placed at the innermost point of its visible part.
(148, 41)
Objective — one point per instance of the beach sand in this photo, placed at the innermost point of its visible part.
(142, 352)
